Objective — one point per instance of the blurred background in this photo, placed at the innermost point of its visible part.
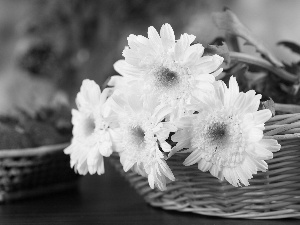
(48, 47)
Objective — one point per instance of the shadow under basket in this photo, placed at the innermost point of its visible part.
(34, 171)
(273, 194)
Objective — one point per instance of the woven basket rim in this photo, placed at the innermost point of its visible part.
(41, 150)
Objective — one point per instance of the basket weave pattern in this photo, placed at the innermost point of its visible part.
(270, 195)
(34, 171)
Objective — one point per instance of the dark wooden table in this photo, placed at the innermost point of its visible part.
(106, 199)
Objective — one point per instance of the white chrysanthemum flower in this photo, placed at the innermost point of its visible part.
(91, 134)
(172, 70)
(226, 136)
(141, 139)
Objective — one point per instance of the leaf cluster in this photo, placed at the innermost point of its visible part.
(262, 72)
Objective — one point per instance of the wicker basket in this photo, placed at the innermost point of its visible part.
(34, 171)
(271, 195)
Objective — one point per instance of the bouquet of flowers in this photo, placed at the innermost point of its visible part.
(169, 99)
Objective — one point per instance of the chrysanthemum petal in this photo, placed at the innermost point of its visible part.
(204, 87)
(220, 89)
(205, 78)
(117, 103)
(104, 95)
(78, 153)
(116, 81)
(253, 101)
(261, 165)
(217, 72)
(270, 144)
(166, 170)
(262, 116)
(214, 170)
(230, 175)
(192, 55)
(204, 165)
(116, 138)
(106, 146)
(161, 111)
(131, 57)
(100, 167)
(154, 39)
(163, 134)
(107, 112)
(249, 165)
(233, 91)
(88, 96)
(135, 103)
(167, 36)
(125, 69)
(233, 86)
(137, 42)
(127, 165)
(243, 176)
(250, 102)
(151, 180)
(92, 160)
(211, 65)
(81, 169)
(255, 135)
(68, 150)
(183, 137)
(260, 152)
(165, 146)
(170, 126)
(75, 153)
(240, 102)
(182, 44)
(193, 158)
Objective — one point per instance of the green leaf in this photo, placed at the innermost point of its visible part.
(291, 45)
(229, 22)
(269, 104)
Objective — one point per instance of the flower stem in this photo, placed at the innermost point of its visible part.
(249, 59)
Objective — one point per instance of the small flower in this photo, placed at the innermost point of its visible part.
(225, 137)
(91, 134)
(141, 138)
(174, 71)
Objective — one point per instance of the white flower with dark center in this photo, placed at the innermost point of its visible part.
(91, 133)
(174, 71)
(141, 140)
(225, 137)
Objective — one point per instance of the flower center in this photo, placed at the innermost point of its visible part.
(138, 139)
(170, 82)
(89, 126)
(166, 78)
(137, 135)
(218, 136)
(216, 132)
